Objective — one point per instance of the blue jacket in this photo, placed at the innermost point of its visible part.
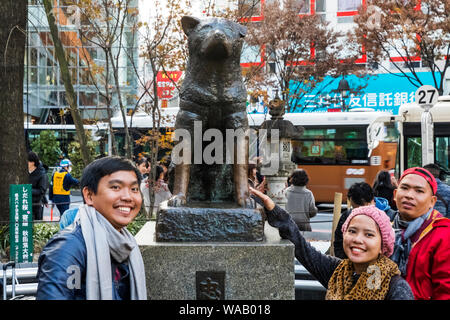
(383, 204)
(443, 198)
(62, 269)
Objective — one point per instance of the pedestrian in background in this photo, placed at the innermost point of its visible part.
(62, 182)
(253, 178)
(96, 257)
(259, 177)
(144, 167)
(384, 188)
(443, 190)
(164, 164)
(368, 242)
(300, 200)
(422, 236)
(162, 192)
(38, 179)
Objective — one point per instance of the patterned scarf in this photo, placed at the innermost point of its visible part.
(373, 284)
(404, 233)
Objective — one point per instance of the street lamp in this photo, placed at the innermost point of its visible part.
(344, 89)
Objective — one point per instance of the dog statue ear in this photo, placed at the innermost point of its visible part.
(242, 30)
(189, 23)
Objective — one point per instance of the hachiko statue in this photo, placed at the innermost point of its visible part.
(214, 94)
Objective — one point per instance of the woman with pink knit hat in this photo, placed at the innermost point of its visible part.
(367, 274)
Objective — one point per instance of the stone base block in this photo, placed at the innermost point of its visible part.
(201, 222)
(217, 270)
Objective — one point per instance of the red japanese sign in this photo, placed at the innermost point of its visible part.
(165, 82)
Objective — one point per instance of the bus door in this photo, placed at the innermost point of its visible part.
(410, 142)
(413, 144)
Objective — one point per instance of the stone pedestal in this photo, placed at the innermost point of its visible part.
(206, 221)
(276, 189)
(261, 270)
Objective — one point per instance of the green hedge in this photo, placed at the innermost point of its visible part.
(42, 232)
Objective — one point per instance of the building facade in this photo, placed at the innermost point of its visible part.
(44, 93)
(384, 90)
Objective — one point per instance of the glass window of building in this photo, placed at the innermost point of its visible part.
(42, 75)
(348, 5)
(303, 6)
(320, 6)
(249, 8)
(250, 54)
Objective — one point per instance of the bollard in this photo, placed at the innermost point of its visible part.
(336, 216)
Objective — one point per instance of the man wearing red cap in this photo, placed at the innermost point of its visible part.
(422, 240)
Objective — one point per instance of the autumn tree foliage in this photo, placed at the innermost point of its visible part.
(412, 35)
(301, 48)
(66, 77)
(109, 25)
(162, 51)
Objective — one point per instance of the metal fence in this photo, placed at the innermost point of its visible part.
(25, 278)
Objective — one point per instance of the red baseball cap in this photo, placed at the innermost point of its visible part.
(424, 173)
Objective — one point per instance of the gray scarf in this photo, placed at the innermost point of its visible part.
(403, 232)
(102, 241)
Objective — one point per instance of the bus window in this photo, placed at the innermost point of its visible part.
(391, 132)
(331, 146)
(414, 152)
(442, 151)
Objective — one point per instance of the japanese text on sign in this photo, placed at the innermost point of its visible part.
(21, 223)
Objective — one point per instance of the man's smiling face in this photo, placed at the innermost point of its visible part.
(118, 198)
(413, 197)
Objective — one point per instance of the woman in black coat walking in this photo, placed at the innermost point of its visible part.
(39, 183)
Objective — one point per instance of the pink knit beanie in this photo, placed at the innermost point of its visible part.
(383, 222)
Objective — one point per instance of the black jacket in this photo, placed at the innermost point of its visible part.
(39, 185)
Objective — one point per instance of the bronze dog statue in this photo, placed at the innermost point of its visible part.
(213, 93)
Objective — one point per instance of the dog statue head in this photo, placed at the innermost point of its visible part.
(214, 38)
